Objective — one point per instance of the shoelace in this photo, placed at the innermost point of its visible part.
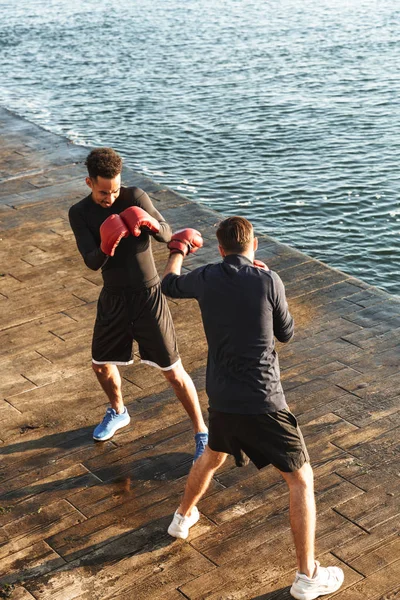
(109, 416)
(180, 519)
(328, 577)
(200, 444)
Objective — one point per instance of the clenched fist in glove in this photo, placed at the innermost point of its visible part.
(260, 264)
(111, 232)
(185, 241)
(135, 218)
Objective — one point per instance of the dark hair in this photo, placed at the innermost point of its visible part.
(235, 234)
(103, 162)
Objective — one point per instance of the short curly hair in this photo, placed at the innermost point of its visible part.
(103, 162)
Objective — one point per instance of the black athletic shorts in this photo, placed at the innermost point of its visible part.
(272, 438)
(125, 315)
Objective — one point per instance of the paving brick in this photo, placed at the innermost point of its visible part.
(33, 561)
(385, 580)
(373, 507)
(85, 520)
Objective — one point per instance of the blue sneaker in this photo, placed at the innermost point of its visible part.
(201, 440)
(110, 424)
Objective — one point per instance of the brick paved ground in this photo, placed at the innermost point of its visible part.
(86, 520)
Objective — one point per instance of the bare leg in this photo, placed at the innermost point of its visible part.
(110, 380)
(199, 479)
(302, 516)
(185, 391)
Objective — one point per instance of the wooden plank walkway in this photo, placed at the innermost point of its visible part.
(86, 520)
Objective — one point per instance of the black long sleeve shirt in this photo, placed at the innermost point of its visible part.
(132, 264)
(243, 308)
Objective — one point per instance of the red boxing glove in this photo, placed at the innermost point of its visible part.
(260, 264)
(185, 241)
(135, 218)
(111, 232)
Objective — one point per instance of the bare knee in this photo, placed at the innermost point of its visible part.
(101, 370)
(303, 477)
(97, 368)
(176, 376)
(211, 459)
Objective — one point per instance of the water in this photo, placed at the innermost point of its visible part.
(283, 111)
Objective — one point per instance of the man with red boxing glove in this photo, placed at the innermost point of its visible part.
(113, 227)
(243, 307)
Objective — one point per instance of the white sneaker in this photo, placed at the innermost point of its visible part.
(326, 580)
(180, 526)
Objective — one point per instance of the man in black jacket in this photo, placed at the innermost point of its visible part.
(243, 307)
(113, 227)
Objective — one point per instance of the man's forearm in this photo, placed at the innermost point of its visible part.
(164, 235)
(183, 242)
(174, 264)
(95, 259)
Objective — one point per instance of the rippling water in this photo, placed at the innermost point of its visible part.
(284, 111)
